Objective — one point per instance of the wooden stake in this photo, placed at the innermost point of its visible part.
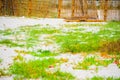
(94, 8)
(105, 9)
(29, 7)
(85, 8)
(81, 6)
(73, 8)
(59, 8)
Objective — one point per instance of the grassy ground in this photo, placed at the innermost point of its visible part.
(73, 38)
(39, 69)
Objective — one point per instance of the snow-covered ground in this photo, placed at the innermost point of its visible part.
(7, 54)
(14, 22)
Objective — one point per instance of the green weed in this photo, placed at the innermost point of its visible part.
(103, 78)
(77, 41)
(111, 47)
(0, 60)
(97, 78)
(3, 73)
(18, 57)
(10, 43)
(82, 24)
(33, 34)
(35, 69)
(6, 32)
(43, 53)
(87, 62)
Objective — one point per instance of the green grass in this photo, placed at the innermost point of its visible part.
(36, 69)
(2, 73)
(76, 41)
(89, 61)
(0, 60)
(112, 47)
(79, 42)
(10, 43)
(34, 32)
(18, 57)
(117, 59)
(102, 78)
(6, 32)
(83, 24)
(32, 35)
(37, 53)
(43, 53)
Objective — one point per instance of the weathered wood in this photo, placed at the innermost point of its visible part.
(73, 8)
(81, 6)
(29, 7)
(59, 8)
(105, 9)
(85, 8)
(94, 8)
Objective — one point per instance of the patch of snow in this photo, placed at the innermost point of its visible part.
(74, 59)
(111, 71)
(44, 36)
(83, 74)
(14, 22)
(45, 46)
(6, 54)
(92, 29)
(66, 67)
(6, 78)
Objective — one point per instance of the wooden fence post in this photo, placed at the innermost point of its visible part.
(59, 8)
(73, 8)
(105, 9)
(29, 7)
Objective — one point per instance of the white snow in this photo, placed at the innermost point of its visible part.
(7, 54)
(14, 22)
(111, 71)
(92, 29)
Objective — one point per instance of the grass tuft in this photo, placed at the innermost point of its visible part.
(90, 61)
(10, 43)
(111, 47)
(43, 53)
(36, 69)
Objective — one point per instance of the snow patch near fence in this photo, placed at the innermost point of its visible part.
(14, 22)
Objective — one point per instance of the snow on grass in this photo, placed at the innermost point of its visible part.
(6, 54)
(14, 22)
(49, 36)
